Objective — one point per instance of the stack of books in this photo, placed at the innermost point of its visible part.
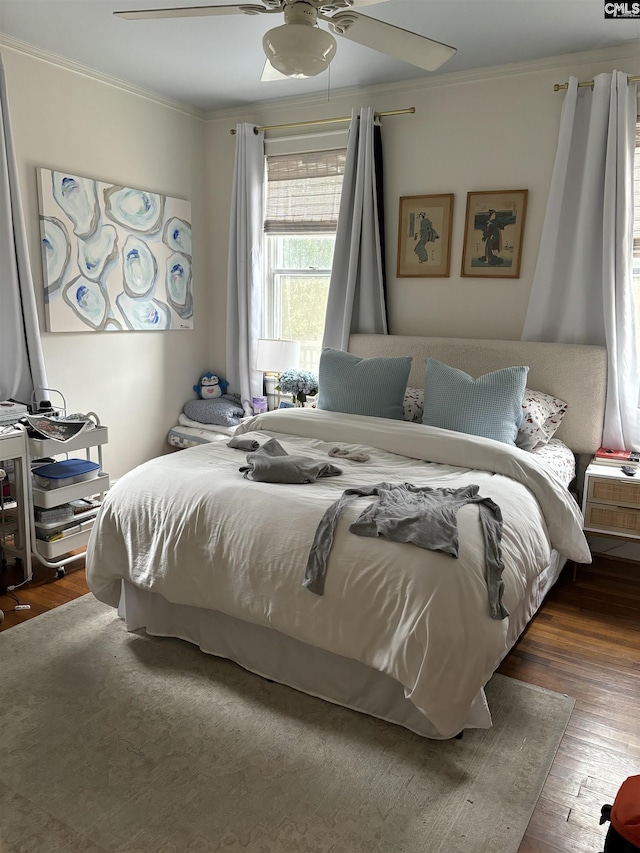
(607, 456)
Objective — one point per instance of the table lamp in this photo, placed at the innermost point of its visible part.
(275, 356)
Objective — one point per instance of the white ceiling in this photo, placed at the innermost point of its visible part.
(215, 63)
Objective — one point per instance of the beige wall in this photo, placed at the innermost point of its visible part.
(137, 382)
(473, 132)
(493, 132)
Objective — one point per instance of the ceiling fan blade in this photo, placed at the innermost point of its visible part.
(190, 12)
(387, 38)
(270, 74)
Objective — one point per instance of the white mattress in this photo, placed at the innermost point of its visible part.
(183, 436)
(189, 433)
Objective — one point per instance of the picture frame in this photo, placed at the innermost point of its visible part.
(493, 233)
(114, 258)
(424, 236)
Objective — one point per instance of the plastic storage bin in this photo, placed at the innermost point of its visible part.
(65, 473)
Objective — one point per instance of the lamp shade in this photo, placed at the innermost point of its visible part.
(299, 50)
(274, 356)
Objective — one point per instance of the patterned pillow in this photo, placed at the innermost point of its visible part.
(362, 386)
(413, 405)
(489, 406)
(541, 417)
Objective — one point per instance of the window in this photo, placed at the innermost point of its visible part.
(303, 200)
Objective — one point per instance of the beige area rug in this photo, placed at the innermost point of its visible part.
(111, 741)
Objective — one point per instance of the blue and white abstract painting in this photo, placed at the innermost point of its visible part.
(114, 258)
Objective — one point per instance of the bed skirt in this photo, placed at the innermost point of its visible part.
(273, 655)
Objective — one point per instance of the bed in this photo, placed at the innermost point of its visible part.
(189, 545)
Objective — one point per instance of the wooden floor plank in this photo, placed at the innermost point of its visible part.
(42, 593)
(584, 642)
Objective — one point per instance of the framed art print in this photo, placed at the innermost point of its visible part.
(424, 235)
(115, 258)
(493, 231)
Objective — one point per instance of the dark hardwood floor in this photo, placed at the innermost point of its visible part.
(584, 641)
(43, 592)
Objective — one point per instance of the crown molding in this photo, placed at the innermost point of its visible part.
(551, 63)
(406, 87)
(629, 51)
(78, 68)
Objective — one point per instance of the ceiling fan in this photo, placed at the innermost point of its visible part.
(300, 48)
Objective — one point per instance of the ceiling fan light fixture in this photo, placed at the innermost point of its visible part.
(299, 50)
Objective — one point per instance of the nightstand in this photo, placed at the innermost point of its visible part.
(611, 503)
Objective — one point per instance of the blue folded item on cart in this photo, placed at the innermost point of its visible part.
(58, 474)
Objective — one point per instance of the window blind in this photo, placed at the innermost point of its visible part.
(303, 192)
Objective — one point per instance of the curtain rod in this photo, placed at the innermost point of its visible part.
(589, 83)
(326, 120)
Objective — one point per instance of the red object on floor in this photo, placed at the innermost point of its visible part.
(625, 814)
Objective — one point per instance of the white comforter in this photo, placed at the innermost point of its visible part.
(190, 527)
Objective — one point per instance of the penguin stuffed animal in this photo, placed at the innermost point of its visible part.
(211, 386)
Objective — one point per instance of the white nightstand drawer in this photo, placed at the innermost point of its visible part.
(619, 492)
(612, 519)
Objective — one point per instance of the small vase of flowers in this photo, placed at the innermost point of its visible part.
(299, 383)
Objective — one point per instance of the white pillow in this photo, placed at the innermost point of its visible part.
(541, 417)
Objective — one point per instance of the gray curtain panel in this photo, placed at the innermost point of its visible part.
(22, 369)
(244, 282)
(356, 300)
(582, 290)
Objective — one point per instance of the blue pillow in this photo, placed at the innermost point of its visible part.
(362, 386)
(490, 406)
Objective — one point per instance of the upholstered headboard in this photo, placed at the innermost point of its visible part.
(575, 373)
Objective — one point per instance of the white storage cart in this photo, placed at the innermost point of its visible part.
(52, 549)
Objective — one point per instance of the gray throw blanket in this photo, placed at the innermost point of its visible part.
(272, 464)
(421, 515)
(240, 443)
